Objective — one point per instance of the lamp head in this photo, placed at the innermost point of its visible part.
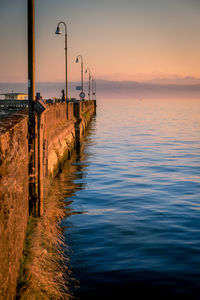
(58, 31)
(77, 59)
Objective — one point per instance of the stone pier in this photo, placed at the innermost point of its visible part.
(59, 128)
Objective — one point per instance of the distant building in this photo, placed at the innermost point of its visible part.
(15, 96)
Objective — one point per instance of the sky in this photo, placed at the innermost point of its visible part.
(135, 40)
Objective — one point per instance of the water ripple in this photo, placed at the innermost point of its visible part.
(140, 191)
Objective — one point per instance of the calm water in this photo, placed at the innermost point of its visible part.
(133, 197)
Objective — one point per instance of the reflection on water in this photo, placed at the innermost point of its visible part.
(70, 180)
(136, 180)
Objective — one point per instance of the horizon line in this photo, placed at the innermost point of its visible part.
(149, 82)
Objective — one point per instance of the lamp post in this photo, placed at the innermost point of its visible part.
(31, 55)
(93, 87)
(88, 71)
(58, 31)
(77, 60)
(33, 199)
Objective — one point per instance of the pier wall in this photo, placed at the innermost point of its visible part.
(59, 128)
(13, 199)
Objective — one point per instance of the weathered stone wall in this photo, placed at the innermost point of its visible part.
(58, 128)
(58, 135)
(58, 132)
(87, 110)
(56, 141)
(13, 199)
(83, 112)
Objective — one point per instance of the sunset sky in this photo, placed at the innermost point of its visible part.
(119, 40)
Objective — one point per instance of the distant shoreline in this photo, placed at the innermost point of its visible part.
(110, 88)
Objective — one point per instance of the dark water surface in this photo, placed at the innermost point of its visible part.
(133, 197)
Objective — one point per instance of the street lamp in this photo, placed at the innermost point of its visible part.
(58, 31)
(77, 60)
(88, 71)
(93, 87)
(31, 101)
(31, 55)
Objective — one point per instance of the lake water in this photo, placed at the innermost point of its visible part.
(133, 198)
(132, 193)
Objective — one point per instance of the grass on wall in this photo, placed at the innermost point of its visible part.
(43, 273)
